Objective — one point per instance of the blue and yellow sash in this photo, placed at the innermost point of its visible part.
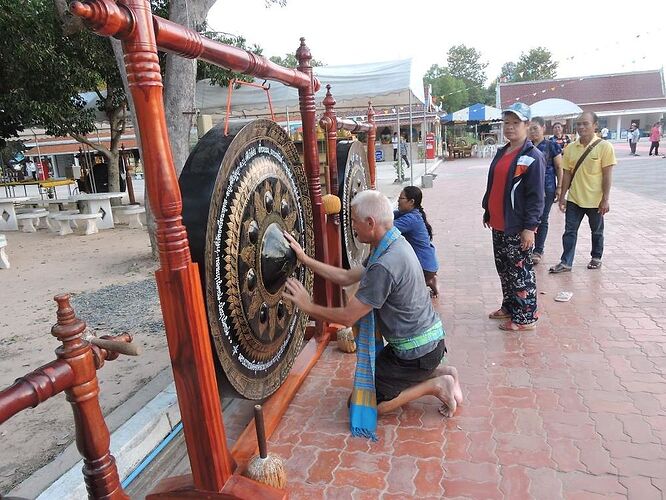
(363, 407)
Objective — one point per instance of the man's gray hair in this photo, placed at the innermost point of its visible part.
(371, 203)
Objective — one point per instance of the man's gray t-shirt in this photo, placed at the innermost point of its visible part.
(395, 287)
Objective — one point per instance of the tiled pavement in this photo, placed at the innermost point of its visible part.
(575, 410)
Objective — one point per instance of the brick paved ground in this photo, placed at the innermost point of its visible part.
(574, 410)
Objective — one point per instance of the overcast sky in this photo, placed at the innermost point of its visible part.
(603, 39)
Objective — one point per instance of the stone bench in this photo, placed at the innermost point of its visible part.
(4, 261)
(54, 225)
(65, 219)
(27, 216)
(128, 214)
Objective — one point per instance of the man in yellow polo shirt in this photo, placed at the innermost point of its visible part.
(588, 186)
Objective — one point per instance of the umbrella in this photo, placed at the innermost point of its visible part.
(555, 107)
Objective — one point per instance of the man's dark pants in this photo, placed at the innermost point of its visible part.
(573, 217)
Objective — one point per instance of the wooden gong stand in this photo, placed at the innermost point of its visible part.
(331, 124)
(178, 281)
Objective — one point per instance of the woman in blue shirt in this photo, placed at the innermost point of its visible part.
(412, 222)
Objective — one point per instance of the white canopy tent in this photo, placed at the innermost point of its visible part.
(390, 83)
(550, 108)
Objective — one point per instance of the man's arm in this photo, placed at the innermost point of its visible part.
(337, 275)
(348, 315)
(566, 184)
(557, 162)
(606, 181)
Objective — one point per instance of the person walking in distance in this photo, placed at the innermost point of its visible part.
(553, 181)
(633, 135)
(512, 205)
(586, 181)
(394, 143)
(655, 136)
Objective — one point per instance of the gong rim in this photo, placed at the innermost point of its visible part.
(353, 177)
(256, 334)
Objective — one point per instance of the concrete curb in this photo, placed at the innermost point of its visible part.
(149, 415)
(130, 443)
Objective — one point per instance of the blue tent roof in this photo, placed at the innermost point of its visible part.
(475, 113)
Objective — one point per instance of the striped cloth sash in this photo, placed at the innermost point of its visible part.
(363, 407)
(435, 332)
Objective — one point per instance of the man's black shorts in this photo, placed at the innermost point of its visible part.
(393, 375)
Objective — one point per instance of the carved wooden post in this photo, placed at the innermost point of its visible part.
(372, 137)
(178, 278)
(334, 241)
(92, 434)
(311, 162)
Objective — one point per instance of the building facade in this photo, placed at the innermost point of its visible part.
(618, 99)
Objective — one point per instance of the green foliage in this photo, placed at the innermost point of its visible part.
(508, 72)
(290, 61)
(460, 82)
(537, 64)
(465, 63)
(220, 76)
(44, 72)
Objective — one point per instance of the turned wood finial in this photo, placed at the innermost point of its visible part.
(329, 101)
(371, 112)
(303, 55)
(69, 328)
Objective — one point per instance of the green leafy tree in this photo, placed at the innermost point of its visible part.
(464, 63)
(450, 92)
(508, 72)
(48, 75)
(290, 61)
(537, 64)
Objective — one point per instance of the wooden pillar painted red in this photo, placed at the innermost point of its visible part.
(311, 162)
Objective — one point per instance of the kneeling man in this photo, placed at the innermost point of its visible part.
(391, 293)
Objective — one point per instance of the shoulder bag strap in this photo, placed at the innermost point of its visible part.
(583, 156)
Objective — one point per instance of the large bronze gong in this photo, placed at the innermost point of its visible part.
(353, 177)
(240, 192)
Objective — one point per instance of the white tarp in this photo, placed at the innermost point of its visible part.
(549, 108)
(384, 83)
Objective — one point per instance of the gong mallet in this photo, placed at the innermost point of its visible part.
(119, 346)
(267, 468)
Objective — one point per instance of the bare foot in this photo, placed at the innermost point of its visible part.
(453, 372)
(457, 390)
(445, 386)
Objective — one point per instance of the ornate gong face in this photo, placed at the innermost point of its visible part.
(356, 178)
(260, 191)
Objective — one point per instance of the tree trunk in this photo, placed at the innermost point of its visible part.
(180, 81)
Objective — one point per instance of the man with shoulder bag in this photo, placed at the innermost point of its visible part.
(587, 175)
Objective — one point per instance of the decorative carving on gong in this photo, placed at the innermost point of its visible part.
(240, 192)
(353, 177)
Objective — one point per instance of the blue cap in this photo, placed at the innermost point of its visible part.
(521, 110)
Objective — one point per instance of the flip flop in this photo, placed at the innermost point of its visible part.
(563, 296)
(499, 314)
(510, 326)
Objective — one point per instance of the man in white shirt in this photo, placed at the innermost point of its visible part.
(31, 169)
(604, 133)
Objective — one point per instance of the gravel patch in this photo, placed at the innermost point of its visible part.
(133, 307)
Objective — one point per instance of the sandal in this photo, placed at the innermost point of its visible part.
(594, 264)
(499, 314)
(536, 257)
(510, 326)
(559, 268)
